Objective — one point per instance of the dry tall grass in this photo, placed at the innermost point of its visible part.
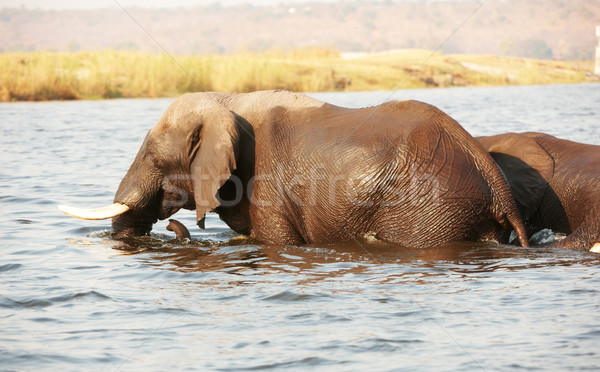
(110, 74)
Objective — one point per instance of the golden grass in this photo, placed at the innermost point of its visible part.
(111, 74)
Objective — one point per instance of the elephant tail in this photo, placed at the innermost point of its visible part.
(505, 208)
(517, 223)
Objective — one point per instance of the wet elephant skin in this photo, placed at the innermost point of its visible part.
(285, 168)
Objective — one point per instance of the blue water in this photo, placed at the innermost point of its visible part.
(72, 299)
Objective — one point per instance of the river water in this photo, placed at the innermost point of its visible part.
(72, 299)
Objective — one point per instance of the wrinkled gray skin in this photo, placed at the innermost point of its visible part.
(285, 168)
(555, 182)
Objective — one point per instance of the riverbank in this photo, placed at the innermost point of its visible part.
(42, 76)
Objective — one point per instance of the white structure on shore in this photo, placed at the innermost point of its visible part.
(597, 69)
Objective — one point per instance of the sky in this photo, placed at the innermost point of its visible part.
(93, 4)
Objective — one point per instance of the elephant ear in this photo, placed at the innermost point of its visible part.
(213, 147)
(527, 166)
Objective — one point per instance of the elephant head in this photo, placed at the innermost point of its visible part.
(184, 160)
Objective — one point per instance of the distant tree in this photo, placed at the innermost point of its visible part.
(215, 7)
(349, 45)
(127, 45)
(73, 47)
(347, 8)
(507, 46)
(530, 48)
(534, 49)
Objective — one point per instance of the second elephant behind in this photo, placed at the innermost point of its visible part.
(555, 182)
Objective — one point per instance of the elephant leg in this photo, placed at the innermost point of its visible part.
(273, 227)
(451, 220)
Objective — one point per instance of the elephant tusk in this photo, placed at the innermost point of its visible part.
(103, 213)
(595, 248)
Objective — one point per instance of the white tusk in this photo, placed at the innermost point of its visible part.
(595, 248)
(103, 213)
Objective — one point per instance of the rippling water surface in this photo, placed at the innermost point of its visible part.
(73, 299)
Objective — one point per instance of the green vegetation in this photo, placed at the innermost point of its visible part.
(111, 74)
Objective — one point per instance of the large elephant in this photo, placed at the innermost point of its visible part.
(555, 182)
(285, 168)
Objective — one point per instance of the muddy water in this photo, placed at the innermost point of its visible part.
(73, 299)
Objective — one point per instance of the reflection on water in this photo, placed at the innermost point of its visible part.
(72, 298)
(242, 255)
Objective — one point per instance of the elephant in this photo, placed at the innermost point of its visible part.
(555, 183)
(285, 168)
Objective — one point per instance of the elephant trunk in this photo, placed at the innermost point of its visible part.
(141, 191)
(132, 224)
(143, 212)
(586, 236)
(181, 232)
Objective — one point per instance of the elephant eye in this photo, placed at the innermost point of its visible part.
(175, 192)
